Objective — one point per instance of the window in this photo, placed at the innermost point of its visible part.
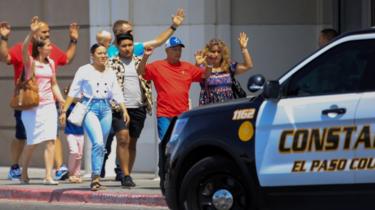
(342, 69)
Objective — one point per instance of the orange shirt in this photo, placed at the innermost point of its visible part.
(57, 55)
(172, 83)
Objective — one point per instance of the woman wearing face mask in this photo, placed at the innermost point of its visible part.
(97, 85)
(217, 86)
(41, 121)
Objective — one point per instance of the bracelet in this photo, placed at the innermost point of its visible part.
(4, 38)
(63, 112)
(173, 28)
(73, 41)
(243, 49)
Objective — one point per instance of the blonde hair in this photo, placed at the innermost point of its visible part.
(103, 36)
(225, 53)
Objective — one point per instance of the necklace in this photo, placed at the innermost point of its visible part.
(216, 70)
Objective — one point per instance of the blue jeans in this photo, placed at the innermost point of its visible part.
(163, 124)
(97, 124)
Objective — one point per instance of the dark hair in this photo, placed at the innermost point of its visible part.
(94, 47)
(329, 33)
(121, 37)
(117, 25)
(36, 44)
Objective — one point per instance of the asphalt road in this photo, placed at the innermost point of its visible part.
(18, 205)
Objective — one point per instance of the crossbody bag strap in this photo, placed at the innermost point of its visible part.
(232, 70)
(32, 69)
(90, 99)
(23, 75)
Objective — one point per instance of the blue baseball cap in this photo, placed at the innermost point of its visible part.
(173, 42)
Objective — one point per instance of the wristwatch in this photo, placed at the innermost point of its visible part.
(173, 28)
(4, 38)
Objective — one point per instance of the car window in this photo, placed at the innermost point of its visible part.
(342, 69)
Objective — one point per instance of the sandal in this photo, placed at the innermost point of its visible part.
(95, 186)
(79, 179)
(75, 179)
(25, 181)
(50, 182)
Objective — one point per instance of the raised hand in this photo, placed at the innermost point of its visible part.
(4, 29)
(35, 24)
(178, 18)
(148, 51)
(200, 57)
(74, 31)
(243, 39)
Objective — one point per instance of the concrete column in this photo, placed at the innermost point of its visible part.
(106, 9)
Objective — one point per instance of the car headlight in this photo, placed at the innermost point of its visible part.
(178, 127)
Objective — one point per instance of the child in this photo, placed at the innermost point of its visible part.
(75, 138)
(104, 38)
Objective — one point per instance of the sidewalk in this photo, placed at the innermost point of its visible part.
(146, 193)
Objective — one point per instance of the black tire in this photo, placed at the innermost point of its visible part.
(170, 195)
(206, 177)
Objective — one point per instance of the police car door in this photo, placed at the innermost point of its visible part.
(305, 137)
(363, 144)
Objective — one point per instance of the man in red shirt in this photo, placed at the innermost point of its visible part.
(172, 79)
(13, 56)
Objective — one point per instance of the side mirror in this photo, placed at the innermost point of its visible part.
(256, 84)
(272, 90)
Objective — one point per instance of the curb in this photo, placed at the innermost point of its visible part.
(81, 196)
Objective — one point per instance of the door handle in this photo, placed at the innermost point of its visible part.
(334, 110)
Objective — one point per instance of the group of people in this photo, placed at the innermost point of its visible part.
(40, 48)
(116, 88)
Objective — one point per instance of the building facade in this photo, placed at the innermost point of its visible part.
(280, 34)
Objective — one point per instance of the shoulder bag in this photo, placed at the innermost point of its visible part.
(238, 92)
(78, 113)
(26, 93)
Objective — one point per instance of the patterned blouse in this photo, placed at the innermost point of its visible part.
(117, 66)
(217, 88)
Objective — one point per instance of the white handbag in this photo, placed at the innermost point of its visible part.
(78, 113)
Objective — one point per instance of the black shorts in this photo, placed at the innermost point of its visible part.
(137, 121)
(20, 128)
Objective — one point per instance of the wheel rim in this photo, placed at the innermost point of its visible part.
(216, 184)
(222, 199)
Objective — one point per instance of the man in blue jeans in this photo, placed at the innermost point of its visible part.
(125, 27)
(172, 79)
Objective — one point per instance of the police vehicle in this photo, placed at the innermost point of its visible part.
(306, 141)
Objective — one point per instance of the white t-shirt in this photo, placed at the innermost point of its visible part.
(132, 89)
